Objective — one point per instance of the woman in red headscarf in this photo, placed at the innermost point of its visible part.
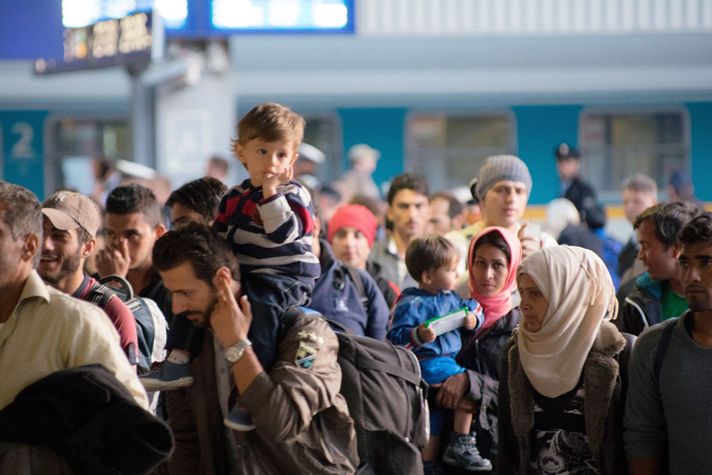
(492, 263)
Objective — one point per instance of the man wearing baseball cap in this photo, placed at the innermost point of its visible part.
(70, 222)
(573, 187)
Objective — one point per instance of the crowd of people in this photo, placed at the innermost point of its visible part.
(526, 336)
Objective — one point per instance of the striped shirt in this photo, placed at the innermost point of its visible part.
(271, 235)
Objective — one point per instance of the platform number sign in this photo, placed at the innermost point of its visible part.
(21, 148)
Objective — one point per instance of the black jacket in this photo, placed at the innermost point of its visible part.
(482, 355)
(90, 419)
(641, 308)
(580, 193)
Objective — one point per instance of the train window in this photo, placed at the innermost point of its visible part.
(618, 144)
(75, 143)
(449, 149)
(323, 132)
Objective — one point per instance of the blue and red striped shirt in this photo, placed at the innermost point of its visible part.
(271, 235)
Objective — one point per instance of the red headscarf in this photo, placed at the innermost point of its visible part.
(498, 305)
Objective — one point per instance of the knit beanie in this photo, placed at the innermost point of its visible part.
(502, 167)
(354, 216)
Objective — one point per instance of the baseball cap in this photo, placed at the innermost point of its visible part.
(361, 150)
(311, 153)
(70, 210)
(565, 151)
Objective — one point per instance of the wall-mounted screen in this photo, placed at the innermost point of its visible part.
(272, 16)
(78, 13)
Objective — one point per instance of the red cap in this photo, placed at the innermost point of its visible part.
(353, 216)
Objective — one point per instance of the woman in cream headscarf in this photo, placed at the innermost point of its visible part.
(561, 410)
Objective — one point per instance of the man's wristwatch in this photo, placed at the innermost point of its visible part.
(235, 352)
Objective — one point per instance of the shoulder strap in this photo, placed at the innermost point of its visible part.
(662, 349)
(623, 359)
(99, 295)
(357, 279)
(119, 285)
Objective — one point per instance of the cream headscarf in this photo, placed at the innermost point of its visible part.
(581, 296)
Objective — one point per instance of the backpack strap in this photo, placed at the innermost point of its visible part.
(99, 295)
(357, 279)
(623, 359)
(661, 350)
(119, 285)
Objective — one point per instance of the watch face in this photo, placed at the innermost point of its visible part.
(233, 354)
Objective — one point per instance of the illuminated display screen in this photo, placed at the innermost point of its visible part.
(282, 15)
(79, 13)
(108, 42)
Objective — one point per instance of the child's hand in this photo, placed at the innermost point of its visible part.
(271, 182)
(470, 321)
(425, 334)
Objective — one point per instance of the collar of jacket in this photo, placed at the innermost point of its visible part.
(600, 373)
(650, 285)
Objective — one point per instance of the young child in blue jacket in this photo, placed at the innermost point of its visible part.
(432, 261)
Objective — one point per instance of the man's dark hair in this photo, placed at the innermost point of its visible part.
(668, 219)
(428, 253)
(22, 213)
(134, 198)
(407, 181)
(494, 239)
(202, 196)
(697, 230)
(198, 244)
(455, 206)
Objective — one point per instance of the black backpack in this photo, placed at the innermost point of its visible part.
(151, 326)
(387, 399)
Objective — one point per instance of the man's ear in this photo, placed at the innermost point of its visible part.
(676, 250)
(30, 246)
(159, 230)
(426, 277)
(88, 247)
(222, 273)
(389, 213)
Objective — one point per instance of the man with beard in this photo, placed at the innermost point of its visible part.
(668, 412)
(409, 211)
(70, 222)
(302, 422)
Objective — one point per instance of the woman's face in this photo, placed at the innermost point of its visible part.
(489, 270)
(533, 304)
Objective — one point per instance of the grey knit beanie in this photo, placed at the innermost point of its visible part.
(502, 167)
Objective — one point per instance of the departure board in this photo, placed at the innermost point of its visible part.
(115, 41)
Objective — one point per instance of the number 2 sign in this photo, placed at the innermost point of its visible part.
(22, 149)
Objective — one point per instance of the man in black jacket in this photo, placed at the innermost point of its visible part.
(573, 188)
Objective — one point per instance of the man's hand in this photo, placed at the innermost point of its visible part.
(425, 334)
(230, 321)
(530, 244)
(452, 390)
(270, 183)
(470, 321)
(114, 261)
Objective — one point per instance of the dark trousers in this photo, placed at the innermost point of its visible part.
(270, 296)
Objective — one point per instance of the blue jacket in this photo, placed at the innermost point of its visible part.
(415, 306)
(337, 297)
